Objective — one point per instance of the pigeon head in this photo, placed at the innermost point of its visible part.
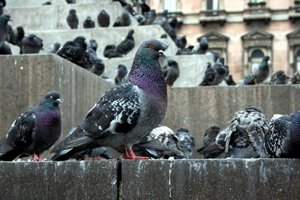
(151, 49)
(93, 44)
(4, 19)
(122, 70)
(72, 11)
(81, 41)
(52, 99)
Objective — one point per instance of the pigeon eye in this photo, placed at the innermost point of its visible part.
(151, 46)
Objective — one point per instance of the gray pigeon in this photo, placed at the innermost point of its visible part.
(127, 112)
(34, 131)
(279, 77)
(88, 23)
(31, 44)
(103, 19)
(186, 142)
(262, 72)
(171, 72)
(126, 45)
(4, 19)
(122, 20)
(72, 19)
(15, 36)
(201, 47)
(209, 76)
(295, 79)
(121, 74)
(98, 67)
(54, 48)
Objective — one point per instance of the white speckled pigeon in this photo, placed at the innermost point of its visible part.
(34, 131)
(127, 112)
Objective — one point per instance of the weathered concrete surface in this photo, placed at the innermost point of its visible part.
(30, 3)
(211, 179)
(58, 180)
(192, 68)
(24, 80)
(30, 17)
(198, 108)
(105, 36)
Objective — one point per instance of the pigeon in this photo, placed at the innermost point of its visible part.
(93, 45)
(144, 7)
(4, 19)
(229, 80)
(71, 1)
(72, 19)
(186, 142)
(54, 48)
(103, 19)
(74, 51)
(161, 143)
(209, 76)
(31, 44)
(221, 71)
(126, 45)
(90, 56)
(295, 79)
(96, 154)
(201, 46)
(34, 131)
(262, 72)
(15, 36)
(5, 49)
(109, 51)
(237, 139)
(127, 112)
(171, 72)
(122, 20)
(248, 80)
(210, 149)
(88, 23)
(279, 77)
(98, 67)
(213, 54)
(150, 17)
(121, 75)
(46, 3)
(2, 5)
(181, 42)
(122, 2)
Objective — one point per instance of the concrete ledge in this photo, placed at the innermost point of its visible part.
(57, 180)
(29, 3)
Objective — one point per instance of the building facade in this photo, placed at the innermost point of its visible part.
(242, 31)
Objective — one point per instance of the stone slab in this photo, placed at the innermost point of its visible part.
(211, 179)
(59, 180)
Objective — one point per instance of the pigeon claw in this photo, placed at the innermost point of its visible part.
(129, 154)
(37, 157)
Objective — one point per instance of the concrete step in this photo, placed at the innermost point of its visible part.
(54, 17)
(32, 3)
(104, 36)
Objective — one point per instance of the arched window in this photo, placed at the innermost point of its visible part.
(298, 60)
(256, 57)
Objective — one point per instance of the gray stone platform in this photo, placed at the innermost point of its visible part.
(31, 3)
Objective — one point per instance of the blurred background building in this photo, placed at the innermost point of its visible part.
(242, 31)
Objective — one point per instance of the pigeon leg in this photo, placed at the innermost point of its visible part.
(37, 157)
(129, 154)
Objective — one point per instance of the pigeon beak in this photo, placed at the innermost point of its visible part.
(161, 53)
(59, 101)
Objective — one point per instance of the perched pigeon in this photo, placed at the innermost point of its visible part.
(150, 17)
(248, 80)
(127, 112)
(90, 56)
(262, 72)
(201, 46)
(93, 45)
(181, 42)
(88, 23)
(34, 131)
(186, 142)
(15, 36)
(98, 67)
(144, 7)
(209, 76)
(31, 44)
(96, 154)
(123, 20)
(2, 5)
(122, 2)
(126, 45)
(54, 47)
(229, 80)
(74, 51)
(4, 19)
(5, 49)
(103, 19)
(237, 139)
(46, 3)
(279, 77)
(171, 72)
(72, 19)
(121, 75)
(110, 51)
(71, 1)
(160, 143)
(295, 79)
(221, 71)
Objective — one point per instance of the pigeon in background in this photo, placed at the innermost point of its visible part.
(122, 2)
(88, 23)
(127, 112)
(248, 80)
(2, 5)
(186, 142)
(295, 79)
(93, 45)
(15, 36)
(263, 71)
(121, 74)
(5, 49)
(122, 20)
(4, 19)
(103, 19)
(54, 48)
(209, 76)
(109, 51)
(126, 45)
(171, 72)
(221, 71)
(201, 47)
(90, 56)
(213, 54)
(279, 77)
(34, 131)
(229, 80)
(181, 42)
(96, 154)
(72, 19)
(31, 44)
(150, 17)
(71, 1)
(47, 3)
(98, 67)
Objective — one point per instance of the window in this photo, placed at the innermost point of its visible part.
(212, 5)
(255, 59)
(170, 5)
(294, 50)
(256, 2)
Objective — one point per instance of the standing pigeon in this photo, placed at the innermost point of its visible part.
(15, 36)
(181, 42)
(127, 112)
(4, 19)
(229, 80)
(103, 19)
(186, 141)
(209, 76)
(72, 19)
(88, 23)
(262, 72)
(201, 46)
(295, 79)
(221, 71)
(171, 72)
(31, 44)
(279, 77)
(121, 74)
(123, 20)
(98, 67)
(34, 131)
(126, 45)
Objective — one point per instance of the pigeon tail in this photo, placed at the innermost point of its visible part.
(7, 152)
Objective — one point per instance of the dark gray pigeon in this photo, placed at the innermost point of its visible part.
(221, 71)
(110, 51)
(103, 19)
(150, 17)
(31, 44)
(93, 45)
(295, 79)
(2, 5)
(34, 131)
(209, 76)
(229, 80)
(181, 42)
(262, 72)
(54, 47)
(279, 77)
(186, 142)
(47, 3)
(88, 23)
(121, 74)
(72, 19)
(71, 1)
(4, 19)
(15, 36)
(127, 112)
(202, 46)
(126, 45)
(122, 20)
(171, 72)
(5, 49)
(98, 67)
